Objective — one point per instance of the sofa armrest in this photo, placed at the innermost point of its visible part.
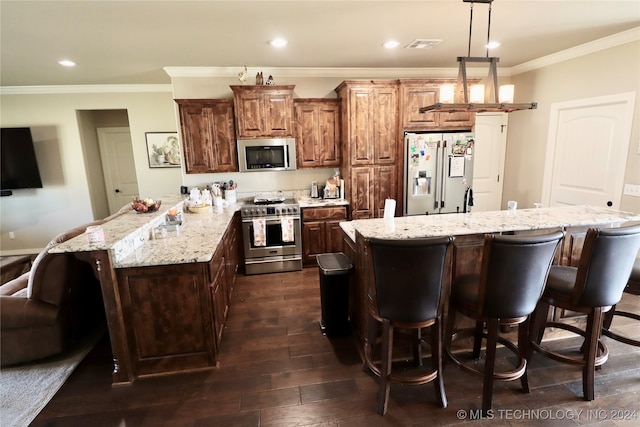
(15, 285)
(19, 312)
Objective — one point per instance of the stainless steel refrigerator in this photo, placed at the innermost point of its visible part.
(438, 172)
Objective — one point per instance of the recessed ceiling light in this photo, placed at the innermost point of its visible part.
(493, 45)
(67, 63)
(391, 44)
(278, 42)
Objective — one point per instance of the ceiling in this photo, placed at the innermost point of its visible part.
(130, 42)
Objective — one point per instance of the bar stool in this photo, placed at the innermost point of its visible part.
(591, 288)
(633, 287)
(512, 277)
(407, 294)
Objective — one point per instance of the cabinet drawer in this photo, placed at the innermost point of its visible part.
(315, 214)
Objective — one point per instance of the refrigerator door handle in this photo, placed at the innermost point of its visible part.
(436, 203)
(443, 174)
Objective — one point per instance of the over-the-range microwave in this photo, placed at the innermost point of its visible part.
(266, 154)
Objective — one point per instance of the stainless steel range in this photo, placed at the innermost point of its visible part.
(272, 235)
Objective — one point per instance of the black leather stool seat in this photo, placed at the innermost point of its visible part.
(513, 273)
(407, 294)
(592, 288)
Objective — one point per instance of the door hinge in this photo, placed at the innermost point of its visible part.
(502, 128)
(498, 178)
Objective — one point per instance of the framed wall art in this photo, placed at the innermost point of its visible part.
(163, 149)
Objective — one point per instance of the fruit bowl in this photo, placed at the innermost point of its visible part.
(199, 209)
(145, 205)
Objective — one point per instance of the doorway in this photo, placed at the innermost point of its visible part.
(89, 121)
(488, 164)
(118, 167)
(587, 151)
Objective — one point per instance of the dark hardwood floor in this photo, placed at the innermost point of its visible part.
(277, 369)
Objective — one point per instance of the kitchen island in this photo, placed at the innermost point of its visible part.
(166, 296)
(469, 230)
(167, 299)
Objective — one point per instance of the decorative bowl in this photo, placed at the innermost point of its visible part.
(199, 209)
(146, 205)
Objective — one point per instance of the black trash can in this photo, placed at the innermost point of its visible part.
(334, 293)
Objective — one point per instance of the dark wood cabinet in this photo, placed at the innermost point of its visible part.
(208, 135)
(263, 111)
(417, 93)
(370, 187)
(321, 232)
(168, 316)
(371, 144)
(232, 242)
(219, 291)
(371, 116)
(175, 314)
(317, 132)
(414, 96)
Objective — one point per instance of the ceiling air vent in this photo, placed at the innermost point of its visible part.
(423, 43)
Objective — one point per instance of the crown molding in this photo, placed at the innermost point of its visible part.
(614, 40)
(70, 89)
(347, 73)
(618, 39)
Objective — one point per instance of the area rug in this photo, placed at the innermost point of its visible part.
(26, 389)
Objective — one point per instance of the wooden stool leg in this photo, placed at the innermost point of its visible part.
(523, 351)
(385, 367)
(489, 365)
(594, 326)
(537, 324)
(436, 361)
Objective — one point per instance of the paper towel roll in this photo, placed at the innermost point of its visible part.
(389, 208)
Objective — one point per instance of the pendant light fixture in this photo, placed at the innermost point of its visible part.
(499, 99)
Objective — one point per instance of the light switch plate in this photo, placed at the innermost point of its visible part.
(632, 190)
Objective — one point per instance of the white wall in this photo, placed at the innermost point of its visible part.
(35, 216)
(612, 71)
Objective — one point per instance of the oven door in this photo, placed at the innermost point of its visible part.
(273, 235)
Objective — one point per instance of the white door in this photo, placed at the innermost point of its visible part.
(488, 161)
(587, 151)
(118, 167)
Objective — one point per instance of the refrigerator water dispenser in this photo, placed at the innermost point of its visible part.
(422, 184)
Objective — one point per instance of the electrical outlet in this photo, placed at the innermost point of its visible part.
(12, 235)
(632, 190)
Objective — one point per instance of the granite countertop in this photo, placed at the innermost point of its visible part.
(486, 222)
(130, 237)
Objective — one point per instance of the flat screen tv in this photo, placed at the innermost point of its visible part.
(18, 165)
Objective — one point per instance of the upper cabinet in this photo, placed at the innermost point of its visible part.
(317, 132)
(417, 93)
(370, 147)
(263, 111)
(371, 115)
(208, 135)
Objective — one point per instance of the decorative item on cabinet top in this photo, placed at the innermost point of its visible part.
(242, 75)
